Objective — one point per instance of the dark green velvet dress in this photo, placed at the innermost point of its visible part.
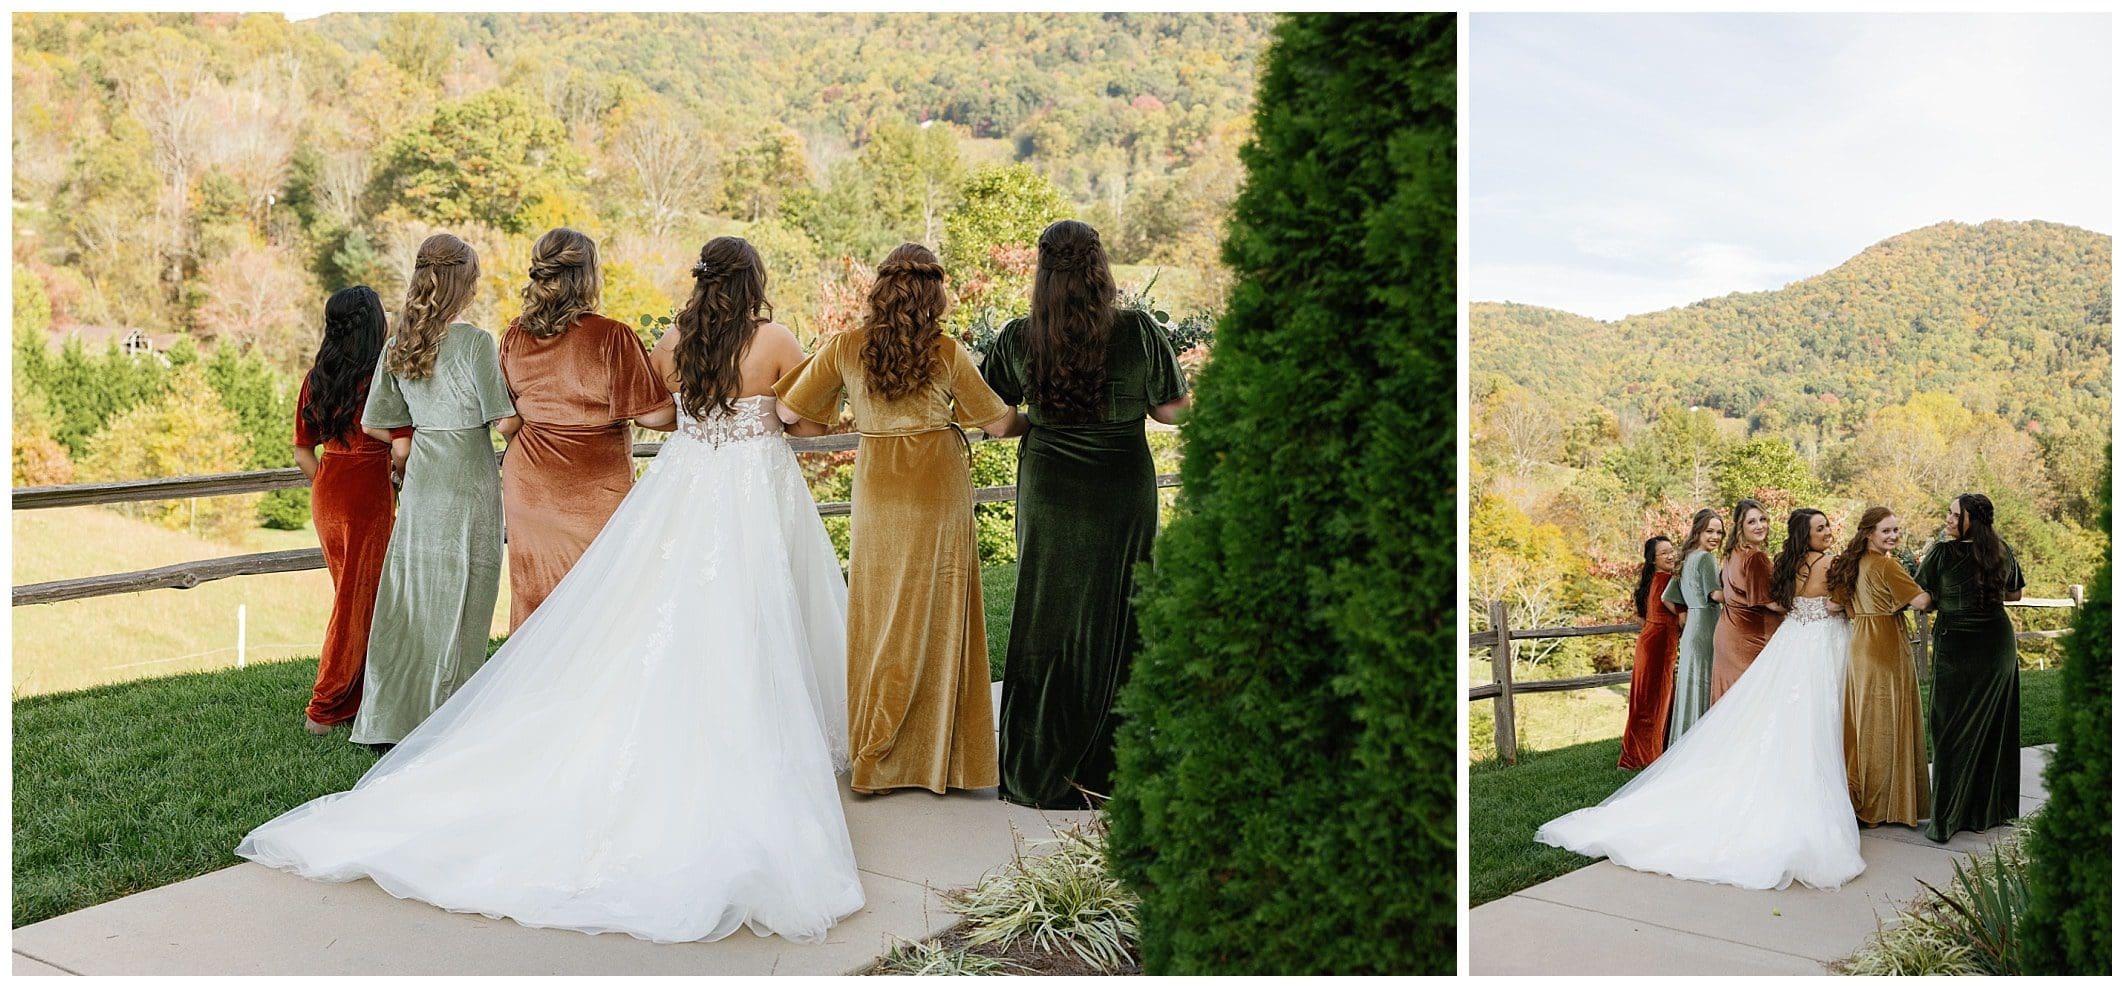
(1087, 513)
(1976, 696)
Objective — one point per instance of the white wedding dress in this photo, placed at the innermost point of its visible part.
(1754, 794)
(654, 751)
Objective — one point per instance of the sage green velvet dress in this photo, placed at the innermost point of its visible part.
(1692, 588)
(1087, 514)
(442, 572)
(1976, 695)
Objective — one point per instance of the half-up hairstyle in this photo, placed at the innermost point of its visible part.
(1072, 318)
(1791, 564)
(346, 358)
(1699, 523)
(1644, 574)
(1984, 542)
(1844, 571)
(445, 277)
(565, 283)
(903, 333)
(1733, 525)
(717, 323)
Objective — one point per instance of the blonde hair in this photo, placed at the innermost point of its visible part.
(564, 285)
(445, 277)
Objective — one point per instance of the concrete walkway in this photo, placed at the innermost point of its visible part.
(249, 919)
(1607, 919)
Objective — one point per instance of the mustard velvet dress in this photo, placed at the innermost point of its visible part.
(919, 714)
(1884, 738)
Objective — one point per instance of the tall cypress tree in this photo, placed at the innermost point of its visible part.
(2067, 928)
(1285, 795)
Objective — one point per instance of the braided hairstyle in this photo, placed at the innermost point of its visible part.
(346, 358)
(903, 337)
(728, 304)
(1072, 319)
(1985, 544)
(445, 277)
(565, 283)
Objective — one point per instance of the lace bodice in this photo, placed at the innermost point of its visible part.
(751, 418)
(1809, 609)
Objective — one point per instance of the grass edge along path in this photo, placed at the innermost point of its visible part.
(136, 785)
(1506, 804)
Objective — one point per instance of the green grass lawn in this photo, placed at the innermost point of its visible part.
(1506, 804)
(131, 786)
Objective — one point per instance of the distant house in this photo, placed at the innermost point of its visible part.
(132, 341)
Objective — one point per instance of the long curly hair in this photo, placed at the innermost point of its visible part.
(1699, 523)
(903, 332)
(1734, 538)
(1644, 574)
(1984, 542)
(1844, 570)
(1072, 319)
(346, 358)
(1791, 564)
(717, 323)
(565, 283)
(445, 277)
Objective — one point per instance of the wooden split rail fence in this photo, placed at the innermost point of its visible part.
(184, 576)
(1502, 687)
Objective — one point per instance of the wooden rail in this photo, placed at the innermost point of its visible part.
(1502, 688)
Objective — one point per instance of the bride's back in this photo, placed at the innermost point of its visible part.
(1813, 579)
(772, 352)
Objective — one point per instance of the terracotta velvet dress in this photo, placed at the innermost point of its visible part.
(1884, 739)
(351, 503)
(918, 695)
(442, 571)
(572, 464)
(1691, 589)
(1745, 618)
(1651, 681)
(1087, 514)
(1976, 695)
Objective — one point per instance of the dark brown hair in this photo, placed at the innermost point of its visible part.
(1791, 563)
(1843, 572)
(728, 304)
(1699, 523)
(1072, 318)
(564, 284)
(903, 333)
(1644, 574)
(1985, 544)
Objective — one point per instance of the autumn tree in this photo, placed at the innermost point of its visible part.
(187, 431)
(487, 159)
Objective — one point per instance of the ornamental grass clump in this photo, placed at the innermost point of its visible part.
(1064, 902)
(1972, 925)
(932, 958)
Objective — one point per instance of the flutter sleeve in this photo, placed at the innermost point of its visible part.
(813, 388)
(1000, 367)
(1700, 581)
(386, 406)
(636, 389)
(1167, 381)
(974, 403)
(1897, 582)
(488, 384)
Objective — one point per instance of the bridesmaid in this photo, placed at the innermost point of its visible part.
(1884, 739)
(918, 699)
(1652, 675)
(1747, 615)
(1693, 593)
(1087, 512)
(1976, 674)
(576, 378)
(350, 493)
(443, 569)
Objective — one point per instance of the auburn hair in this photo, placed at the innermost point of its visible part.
(1844, 570)
(903, 332)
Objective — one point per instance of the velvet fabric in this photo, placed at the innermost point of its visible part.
(351, 504)
(1976, 695)
(1087, 515)
(918, 706)
(442, 571)
(572, 463)
(1692, 589)
(1651, 682)
(1746, 619)
(1884, 739)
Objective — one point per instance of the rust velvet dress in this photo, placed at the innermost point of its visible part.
(1884, 738)
(919, 713)
(572, 464)
(1745, 618)
(1651, 681)
(351, 504)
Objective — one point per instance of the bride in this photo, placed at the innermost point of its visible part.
(653, 752)
(1754, 795)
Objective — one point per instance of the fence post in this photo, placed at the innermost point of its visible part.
(1924, 646)
(2078, 594)
(1501, 674)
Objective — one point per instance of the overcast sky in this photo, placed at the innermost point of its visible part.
(1621, 164)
